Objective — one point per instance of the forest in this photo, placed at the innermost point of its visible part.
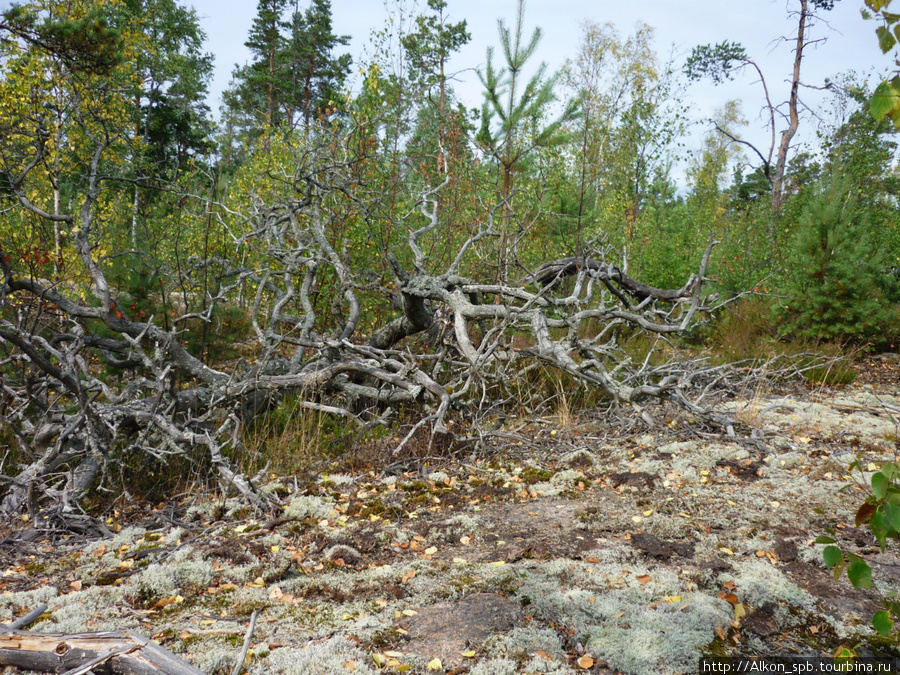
(346, 267)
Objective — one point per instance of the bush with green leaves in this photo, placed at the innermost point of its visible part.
(838, 285)
(881, 512)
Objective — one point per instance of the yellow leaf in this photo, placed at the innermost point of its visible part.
(468, 655)
(435, 664)
(672, 599)
(408, 612)
(431, 550)
(648, 512)
(739, 611)
(585, 662)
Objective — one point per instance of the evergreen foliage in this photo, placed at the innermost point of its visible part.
(838, 284)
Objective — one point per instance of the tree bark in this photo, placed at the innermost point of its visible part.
(121, 652)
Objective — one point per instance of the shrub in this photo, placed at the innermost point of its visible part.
(838, 288)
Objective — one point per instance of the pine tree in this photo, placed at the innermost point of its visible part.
(316, 75)
(840, 289)
(512, 116)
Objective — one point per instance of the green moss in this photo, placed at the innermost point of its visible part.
(534, 474)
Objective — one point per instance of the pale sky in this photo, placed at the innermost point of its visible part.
(679, 24)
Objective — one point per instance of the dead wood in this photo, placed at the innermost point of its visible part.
(305, 301)
(121, 652)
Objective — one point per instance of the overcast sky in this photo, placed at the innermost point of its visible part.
(679, 24)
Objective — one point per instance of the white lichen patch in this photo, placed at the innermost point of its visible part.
(327, 657)
(759, 582)
(308, 506)
(661, 638)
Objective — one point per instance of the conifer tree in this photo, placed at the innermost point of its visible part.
(512, 116)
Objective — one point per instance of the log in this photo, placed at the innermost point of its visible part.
(121, 652)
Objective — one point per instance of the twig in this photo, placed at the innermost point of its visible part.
(25, 621)
(243, 655)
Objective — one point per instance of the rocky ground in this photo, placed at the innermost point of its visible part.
(566, 548)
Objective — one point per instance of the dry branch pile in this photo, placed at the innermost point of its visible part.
(304, 300)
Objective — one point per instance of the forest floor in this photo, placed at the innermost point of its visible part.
(568, 547)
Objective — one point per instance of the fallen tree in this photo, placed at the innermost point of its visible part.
(304, 299)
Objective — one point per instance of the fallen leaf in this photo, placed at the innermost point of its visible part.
(350, 666)
(431, 550)
(585, 662)
(644, 578)
(408, 612)
(75, 585)
(720, 632)
(730, 598)
(468, 655)
(618, 615)
(435, 664)
(739, 611)
(672, 599)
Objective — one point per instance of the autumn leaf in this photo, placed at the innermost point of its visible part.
(585, 662)
(644, 578)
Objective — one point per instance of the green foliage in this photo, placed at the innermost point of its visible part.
(293, 76)
(885, 102)
(837, 285)
(881, 512)
(86, 43)
(719, 62)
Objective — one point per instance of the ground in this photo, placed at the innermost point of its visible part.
(570, 546)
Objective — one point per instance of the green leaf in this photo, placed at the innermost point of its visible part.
(876, 523)
(882, 622)
(859, 573)
(838, 569)
(880, 484)
(822, 539)
(892, 519)
(884, 100)
(886, 39)
(832, 555)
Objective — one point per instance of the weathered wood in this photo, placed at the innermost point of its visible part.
(121, 652)
(552, 271)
